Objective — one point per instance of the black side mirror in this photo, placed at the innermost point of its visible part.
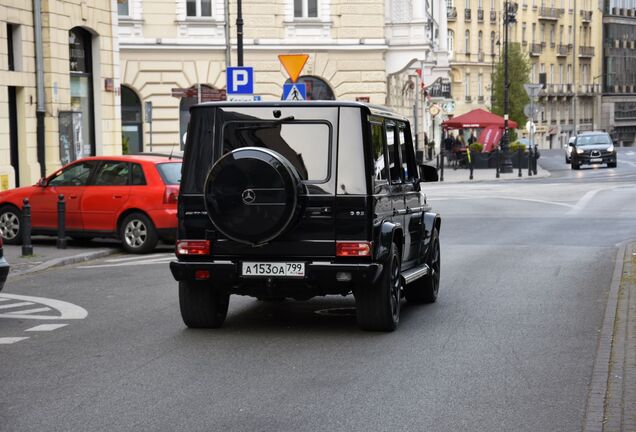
(428, 173)
(42, 182)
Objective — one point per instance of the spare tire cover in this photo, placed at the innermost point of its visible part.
(252, 195)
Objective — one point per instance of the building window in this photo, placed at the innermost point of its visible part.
(123, 8)
(533, 73)
(552, 74)
(81, 70)
(523, 32)
(131, 122)
(480, 82)
(467, 87)
(561, 74)
(552, 31)
(467, 41)
(492, 43)
(317, 88)
(199, 8)
(534, 32)
(305, 8)
(480, 42)
(451, 42)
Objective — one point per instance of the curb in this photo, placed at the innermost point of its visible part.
(595, 410)
(73, 259)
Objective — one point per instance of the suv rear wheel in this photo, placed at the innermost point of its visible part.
(425, 289)
(378, 306)
(202, 306)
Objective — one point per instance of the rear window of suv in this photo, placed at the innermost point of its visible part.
(170, 172)
(303, 143)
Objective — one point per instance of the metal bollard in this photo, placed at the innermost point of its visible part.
(441, 171)
(470, 163)
(534, 161)
(519, 154)
(497, 164)
(530, 161)
(27, 247)
(61, 222)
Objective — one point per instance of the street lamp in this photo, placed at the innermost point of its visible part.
(509, 17)
(239, 32)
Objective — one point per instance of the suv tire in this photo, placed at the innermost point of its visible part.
(425, 289)
(138, 234)
(11, 225)
(252, 195)
(378, 306)
(202, 306)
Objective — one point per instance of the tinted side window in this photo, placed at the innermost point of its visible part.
(112, 173)
(378, 152)
(75, 175)
(138, 178)
(170, 172)
(407, 154)
(392, 149)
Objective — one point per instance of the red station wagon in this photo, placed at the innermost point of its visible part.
(133, 198)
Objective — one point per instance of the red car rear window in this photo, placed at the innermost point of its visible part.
(170, 172)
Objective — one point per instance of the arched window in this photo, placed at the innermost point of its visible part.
(81, 71)
(467, 41)
(492, 43)
(317, 88)
(480, 42)
(451, 42)
(131, 122)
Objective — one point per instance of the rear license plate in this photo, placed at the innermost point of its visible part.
(276, 269)
(593, 160)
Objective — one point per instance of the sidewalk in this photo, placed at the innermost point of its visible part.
(611, 404)
(47, 255)
(461, 175)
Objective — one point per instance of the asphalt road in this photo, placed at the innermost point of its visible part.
(509, 346)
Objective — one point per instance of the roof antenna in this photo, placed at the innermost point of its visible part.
(171, 150)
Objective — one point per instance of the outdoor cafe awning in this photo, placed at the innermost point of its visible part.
(477, 118)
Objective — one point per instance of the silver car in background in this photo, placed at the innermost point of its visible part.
(568, 149)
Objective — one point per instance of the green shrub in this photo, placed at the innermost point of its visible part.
(514, 147)
(476, 148)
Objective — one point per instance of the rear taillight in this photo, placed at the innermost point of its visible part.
(353, 248)
(171, 195)
(193, 247)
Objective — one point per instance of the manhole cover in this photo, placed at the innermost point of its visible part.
(340, 312)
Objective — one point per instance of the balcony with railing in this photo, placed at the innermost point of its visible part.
(480, 15)
(469, 99)
(467, 14)
(586, 16)
(480, 99)
(535, 49)
(451, 13)
(481, 56)
(547, 13)
(493, 16)
(589, 89)
(586, 51)
(563, 50)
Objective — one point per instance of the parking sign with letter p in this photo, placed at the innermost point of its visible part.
(240, 80)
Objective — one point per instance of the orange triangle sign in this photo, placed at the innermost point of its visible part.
(293, 64)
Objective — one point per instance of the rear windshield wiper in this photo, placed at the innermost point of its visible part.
(267, 125)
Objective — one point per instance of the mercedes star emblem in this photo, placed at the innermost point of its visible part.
(248, 196)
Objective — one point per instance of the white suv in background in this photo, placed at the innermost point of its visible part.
(568, 149)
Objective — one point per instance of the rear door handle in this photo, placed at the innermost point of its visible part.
(117, 196)
(73, 197)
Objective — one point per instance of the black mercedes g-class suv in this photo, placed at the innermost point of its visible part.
(303, 199)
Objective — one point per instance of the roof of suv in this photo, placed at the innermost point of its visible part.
(373, 109)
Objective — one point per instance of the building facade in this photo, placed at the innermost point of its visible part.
(562, 39)
(174, 54)
(59, 68)
(619, 66)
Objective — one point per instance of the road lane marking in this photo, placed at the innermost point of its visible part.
(15, 305)
(484, 197)
(585, 199)
(11, 340)
(46, 327)
(135, 261)
(29, 311)
(66, 310)
(113, 260)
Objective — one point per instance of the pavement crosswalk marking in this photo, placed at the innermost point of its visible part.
(11, 340)
(15, 305)
(29, 311)
(46, 327)
(58, 310)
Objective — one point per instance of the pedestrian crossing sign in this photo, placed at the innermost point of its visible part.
(294, 92)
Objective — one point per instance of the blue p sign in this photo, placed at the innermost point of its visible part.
(240, 80)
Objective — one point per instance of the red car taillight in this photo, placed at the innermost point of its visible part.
(193, 247)
(353, 248)
(171, 195)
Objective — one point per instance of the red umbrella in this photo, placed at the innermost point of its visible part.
(477, 118)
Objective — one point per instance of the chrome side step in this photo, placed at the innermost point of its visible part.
(415, 273)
